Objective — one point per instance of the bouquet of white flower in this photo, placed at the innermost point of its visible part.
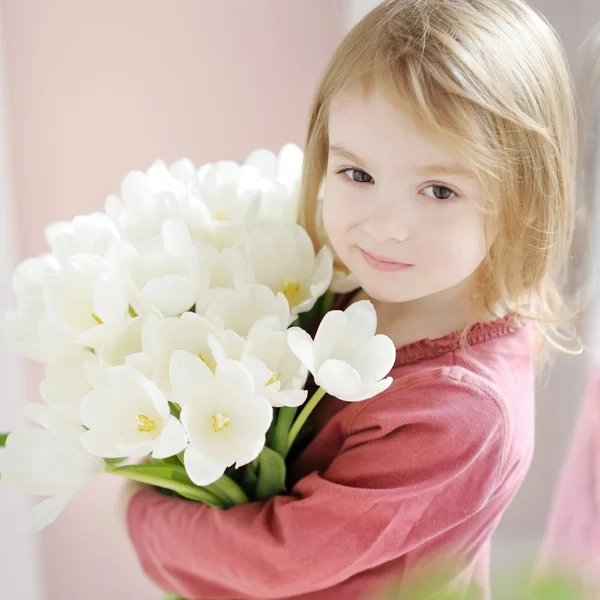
(175, 329)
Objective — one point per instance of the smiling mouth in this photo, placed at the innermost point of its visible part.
(383, 264)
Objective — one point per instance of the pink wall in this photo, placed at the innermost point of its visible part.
(99, 88)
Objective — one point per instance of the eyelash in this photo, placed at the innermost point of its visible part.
(359, 183)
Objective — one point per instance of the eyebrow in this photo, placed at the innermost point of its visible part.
(340, 151)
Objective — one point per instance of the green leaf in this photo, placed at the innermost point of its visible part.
(114, 461)
(175, 409)
(3, 437)
(249, 480)
(271, 475)
(168, 477)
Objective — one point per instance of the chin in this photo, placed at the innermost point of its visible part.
(386, 292)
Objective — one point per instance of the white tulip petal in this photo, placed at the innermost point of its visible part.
(338, 379)
(139, 450)
(288, 398)
(226, 345)
(376, 359)
(141, 362)
(127, 341)
(302, 345)
(47, 511)
(172, 440)
(259, 371)
(363, 318)
(343, 282)
(189, 376)
(323, 269)
(176, 237)
(171, 294)
(252, 420)
(96, 409)
(360, 328)
(249, 451)
(61, 420)
(202, 470)
(98, 444)
(234, 381)
(110, 303)
(371, 390)
(331, 329)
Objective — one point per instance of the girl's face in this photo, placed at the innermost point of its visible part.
(400, 209)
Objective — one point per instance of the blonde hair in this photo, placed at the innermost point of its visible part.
(490, 77)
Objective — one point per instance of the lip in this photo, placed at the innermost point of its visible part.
(383, 264)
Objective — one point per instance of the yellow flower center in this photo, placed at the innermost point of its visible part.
(146, 424)
(97, 319)
(273, 379)
(294, 292)
(221, 215)
(220, 422)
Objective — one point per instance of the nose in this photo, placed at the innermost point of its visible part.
(388, 218)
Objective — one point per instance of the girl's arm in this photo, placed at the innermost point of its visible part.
(417, 461)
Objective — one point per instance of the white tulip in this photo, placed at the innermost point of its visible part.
(247, 308)
(87, 305)
(232, 195)
(226, 422)
(126, 348)
(162, 338)
(41, 463)
(283, 258)
(284, 168)
(137, 213)
(163, 272)
(228, 268)
(21, 327)
(280, 372)
(183, 170)
(280, 182)
(128, 416)
(69, 378)
(343, 282)
(85, 234)
(346, 358)
(59, 419)
(126, 342)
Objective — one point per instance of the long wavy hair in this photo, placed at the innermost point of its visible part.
(491, 78)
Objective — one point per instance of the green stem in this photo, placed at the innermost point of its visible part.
(299, 422)
(226, 487)
(191, 491)
(327, 302)
(3, 437)
(285, 418)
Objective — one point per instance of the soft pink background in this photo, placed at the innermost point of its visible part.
(96, 89)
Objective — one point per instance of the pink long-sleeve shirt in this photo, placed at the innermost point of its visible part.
(424, 469)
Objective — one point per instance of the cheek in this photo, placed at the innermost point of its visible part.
(456, 244)
(338, 214)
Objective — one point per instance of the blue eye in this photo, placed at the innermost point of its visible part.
(440, 192)
(357, 176)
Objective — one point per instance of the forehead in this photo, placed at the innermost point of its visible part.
(370, 125)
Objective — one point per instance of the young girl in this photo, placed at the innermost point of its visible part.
(445, 130)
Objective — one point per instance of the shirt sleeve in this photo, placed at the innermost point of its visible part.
(417, 460)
